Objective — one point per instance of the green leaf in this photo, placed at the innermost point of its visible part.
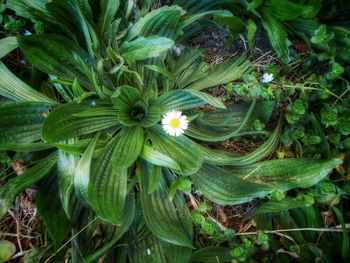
(345, 242)
(21, 122)
(34, 10)
(7, 249)
(251, 32)
(215, 135)
(107, 14)
(128, 147)
(55, 55)
(223, 73)
(286, 10)
(82, 172)
(182, 150)
(108, 186)
(118, 232)
(162, 22)
(212, 255)
(285, 174)
(276, 206)
(16, 185)
(157, 158)
(143, 48)
(66, 166)
(25, 147)
(225, 188)
(51, 211)
(15, 89)
(7, 44)
(224, 158)
(63, 123)
(277, 35)
(169, 220)
(187, 99)
(68, 14)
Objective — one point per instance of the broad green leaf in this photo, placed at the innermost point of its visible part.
(276, 206)
(21, 122)
(15, 89)
(56, 55)
(216, 136)
(345, 242)
(107, 14)
(157, 158)
(63, 123)
(182, 150)
(169, 220)
(143, 48)
(34, 10)
(225, 158)
(25, 147)
(118, 231)
(287, 174)
(226, 188)
(186, 99)
(108, 186)
(212, 255)
(162, 71)
(82, 172)
(68, 14)
(128, 147)
(286, 10)
(66, 166)
(223, 73)
(193, 6)
(51, 211)
(16, 185)
(7, 44)
(277, 35)
(251, 32)
(7, 249)
(162, 22)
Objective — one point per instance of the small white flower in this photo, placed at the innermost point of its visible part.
(148, 251)
(173, 123)
(267, 77)
(177, 49)
(26, 32)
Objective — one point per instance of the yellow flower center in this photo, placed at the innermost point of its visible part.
(174, 123)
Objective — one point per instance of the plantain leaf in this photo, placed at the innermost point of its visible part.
(56, 55)
(21, 122)
(66, 166)
(277, 35)
(212, 255)
(7, 44)
(34, 10)
(287, 174)
(25, 147)
(345, 242)
(15, 89)
(169, 220)
(16, 185)
(143, 48)
(277, 206)
(157, 158)
(223, 73)
(108, 186)
(286, 10)
(118, 231)
(223, 187)
(162, 22)
(51, 211)
(224, 158)
(107, 14)
(63, 123)
(69, 15)
(128, 147)
(182, 150)
(82, 173)
(186, 99)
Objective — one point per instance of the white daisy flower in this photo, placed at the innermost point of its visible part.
(267, 77)
(173, 123)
